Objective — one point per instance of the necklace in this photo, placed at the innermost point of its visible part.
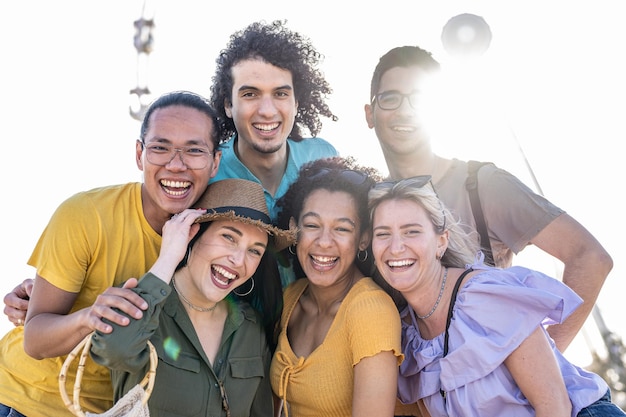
(432, 310)
(193, 306)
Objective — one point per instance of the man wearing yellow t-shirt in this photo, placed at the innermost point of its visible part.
(96, 240)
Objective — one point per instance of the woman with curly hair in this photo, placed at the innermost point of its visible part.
(339, 343)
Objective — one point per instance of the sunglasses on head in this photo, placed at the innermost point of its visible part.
(415, 182)
(350, 175)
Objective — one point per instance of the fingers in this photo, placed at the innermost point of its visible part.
(178, 232)
(15, 306)
(116, 305)
(188, 215)
(131, 283)
(27, 285)
(24, 289)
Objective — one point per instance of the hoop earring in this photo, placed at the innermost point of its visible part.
(292, 250)
(359, 257)
(249, 291)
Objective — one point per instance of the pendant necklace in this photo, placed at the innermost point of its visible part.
(443, 285)
(195, 307)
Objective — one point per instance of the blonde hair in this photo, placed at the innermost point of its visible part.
(463, 247)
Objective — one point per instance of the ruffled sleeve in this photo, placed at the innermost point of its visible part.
(494, 312)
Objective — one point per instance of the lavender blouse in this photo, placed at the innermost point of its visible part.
(495, 311)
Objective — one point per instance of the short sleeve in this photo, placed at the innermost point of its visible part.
(373, 322)
(495, 311)
(514, 213)
(66, 245)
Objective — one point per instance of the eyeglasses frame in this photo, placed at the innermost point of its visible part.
(177, 150)
(403, 97)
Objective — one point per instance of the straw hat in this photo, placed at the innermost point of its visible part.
(243, 201)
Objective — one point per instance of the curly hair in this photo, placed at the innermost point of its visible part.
(332, 174)
(277, 45)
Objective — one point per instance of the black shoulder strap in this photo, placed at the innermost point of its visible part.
(471, 184)
(449, 319)
(452, 301)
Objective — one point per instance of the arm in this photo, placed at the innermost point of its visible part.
(586, 266)
(278, 405)
(422, 408)
(375, 385)
(536, 372)
(51, 330)
(16, 302)
(177, 233)
(124, 347)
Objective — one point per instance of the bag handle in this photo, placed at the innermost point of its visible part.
(147, 383)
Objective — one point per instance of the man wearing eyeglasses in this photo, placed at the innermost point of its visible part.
(95, 241)
(266, 89)
(515, 216)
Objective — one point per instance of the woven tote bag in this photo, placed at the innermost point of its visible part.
(133, 404)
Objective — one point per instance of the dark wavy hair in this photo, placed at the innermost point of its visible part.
(332, 174)
(277, 45)
(266, 296)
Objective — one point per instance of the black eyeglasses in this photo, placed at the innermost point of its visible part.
(391, 100)
(350, 175)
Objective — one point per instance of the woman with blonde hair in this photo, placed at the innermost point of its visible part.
(473, 336)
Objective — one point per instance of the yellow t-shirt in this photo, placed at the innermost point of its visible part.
(321, 384)
(94, 240)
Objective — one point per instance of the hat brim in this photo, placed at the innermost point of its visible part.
(282, 238)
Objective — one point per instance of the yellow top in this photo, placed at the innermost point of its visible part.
(322, 383)
(95, 239)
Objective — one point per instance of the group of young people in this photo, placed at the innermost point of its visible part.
(373, 316)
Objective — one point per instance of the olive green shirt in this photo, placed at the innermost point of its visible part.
(186, 383)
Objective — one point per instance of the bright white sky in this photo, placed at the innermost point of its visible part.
(552, 82)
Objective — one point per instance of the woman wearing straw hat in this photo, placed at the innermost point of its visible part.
(213, 353)
(94, 241)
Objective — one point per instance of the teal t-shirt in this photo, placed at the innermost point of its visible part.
(309, 149)
(300, 153)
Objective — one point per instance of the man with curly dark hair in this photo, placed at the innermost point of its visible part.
(268, 90)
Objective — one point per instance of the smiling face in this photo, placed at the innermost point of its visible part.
(263, 105)
(171, 188)
(224, 257)
(405, 244)
(400, 130)
(330, 237)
